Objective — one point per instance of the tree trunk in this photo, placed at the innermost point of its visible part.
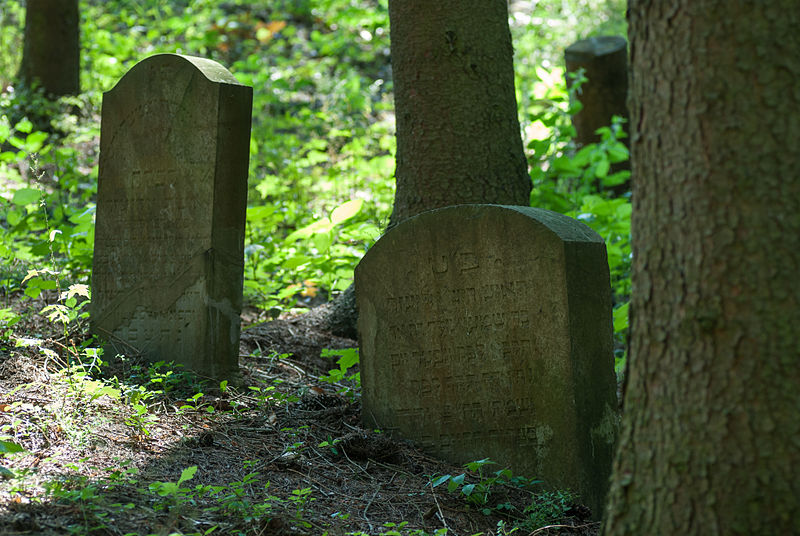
(51, 53)
(458, 135)
(710, 442)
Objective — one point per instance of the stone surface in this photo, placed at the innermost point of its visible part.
(172, 195)
(486, 331)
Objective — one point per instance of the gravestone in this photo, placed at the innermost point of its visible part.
(486, 331)
(172, 194)
(604, 60)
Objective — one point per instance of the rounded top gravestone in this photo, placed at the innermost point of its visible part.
(172, 193)
(485, 331)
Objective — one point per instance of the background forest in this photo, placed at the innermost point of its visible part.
(321, 155)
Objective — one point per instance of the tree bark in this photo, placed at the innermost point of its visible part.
(51, 51)
(458, 135)
(710, 442)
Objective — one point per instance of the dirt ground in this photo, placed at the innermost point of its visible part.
(287, 451)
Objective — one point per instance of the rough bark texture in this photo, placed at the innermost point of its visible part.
(711, 436)
(340, 315)
(458, 136)
(51, 52)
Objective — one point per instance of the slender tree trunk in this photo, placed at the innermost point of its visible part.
(458, 135)
(51, 53)
(710, 442)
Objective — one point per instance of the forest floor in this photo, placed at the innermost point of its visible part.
(285, 453)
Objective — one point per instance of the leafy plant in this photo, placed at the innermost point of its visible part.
(173, 493)
(8, 447)
(347, 359)
(545, 507)
(140, 418)
(301, 497)
(235, 498)
(478, 493)
(548, 507)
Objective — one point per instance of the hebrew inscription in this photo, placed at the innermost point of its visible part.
(167, 272)
(485, 331)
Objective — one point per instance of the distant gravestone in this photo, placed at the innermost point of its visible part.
(172, 194)
(486, 331)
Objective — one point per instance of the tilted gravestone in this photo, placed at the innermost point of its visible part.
(172, 195)
(486, 331)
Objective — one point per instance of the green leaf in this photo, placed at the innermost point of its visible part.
(36, 285)
(322, 226)
(439, 481)
(621, 318)
(505, 473)
(24, 126)
(601, 170)
(322, 242)
(26, 196)
(477, 464)
(164, 488)
(616, 178)
(618, 152)
(315, 157)
(584, 156)
(467, 490)
(13, 217)
(295, 262)
(5, 129)
(7, 447)
(6, 473)
(187, 474)
(346, 211)
(34, 141)
(564, 165)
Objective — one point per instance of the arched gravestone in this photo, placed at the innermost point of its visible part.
(486, 331)
(172, 195)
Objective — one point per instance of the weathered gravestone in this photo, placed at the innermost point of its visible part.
(486, 331)
(172, 194)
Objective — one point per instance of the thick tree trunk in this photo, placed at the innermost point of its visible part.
(458, 135)
(710, 442)
(51, 53)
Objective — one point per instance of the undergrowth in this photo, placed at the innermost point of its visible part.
(321, 166)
